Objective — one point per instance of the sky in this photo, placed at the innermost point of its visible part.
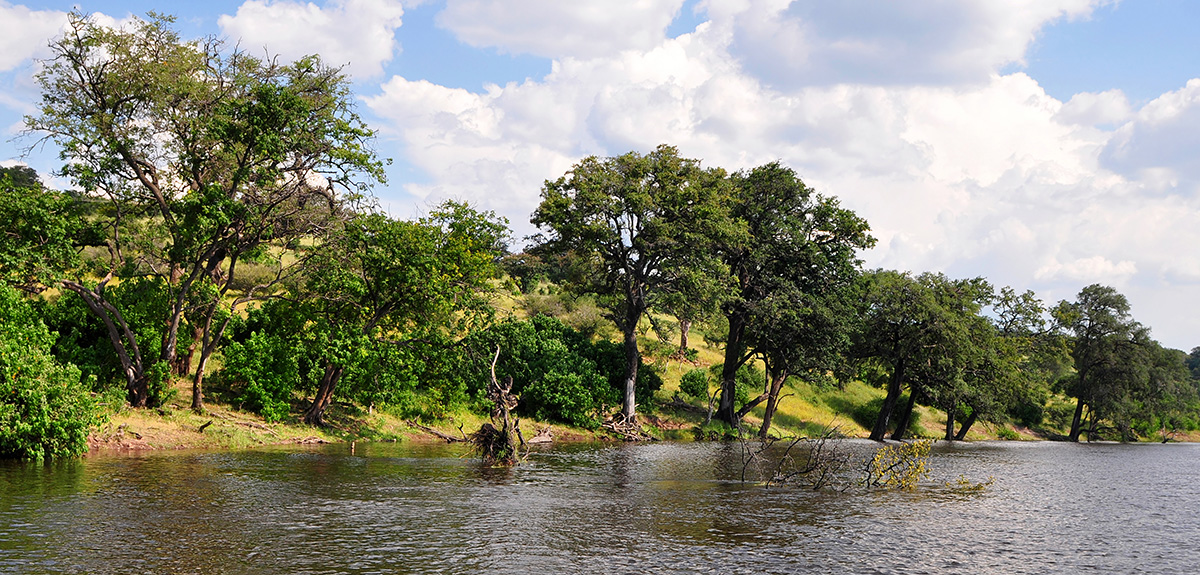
(1042, 144)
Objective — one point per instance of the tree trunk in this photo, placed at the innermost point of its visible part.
(905, 417)
(183, 361)
(1077, 421)
(208, 344)
(949, 425)
(772, 404)
(122, 338)
(684, 327)
(632, 357)
(889, 402)
(966, 425)
(734, 352)
(316, 412)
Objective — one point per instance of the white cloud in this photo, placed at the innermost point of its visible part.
(1087, 270)
(971, 172)
(360, 34)
(560, 29)
(1091, 109)
(801, 43)
(1162, 141)
(25, 33)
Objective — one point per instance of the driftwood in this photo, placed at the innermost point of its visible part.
(543, 436)
(628, 429)
(449, 438)
(497, 442)
(677, 403)
(246, 423)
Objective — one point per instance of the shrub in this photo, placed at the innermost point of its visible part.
(268, 369)
(898, 466)
(559, 373)
(695, 383)
(45, 409)
(1008, 434)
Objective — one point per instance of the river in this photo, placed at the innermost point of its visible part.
(596, 508)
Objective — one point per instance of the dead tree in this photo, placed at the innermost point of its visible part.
(498, 442)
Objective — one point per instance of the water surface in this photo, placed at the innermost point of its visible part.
(649, 508)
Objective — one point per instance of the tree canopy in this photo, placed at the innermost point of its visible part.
(641, 227)
(215, 153)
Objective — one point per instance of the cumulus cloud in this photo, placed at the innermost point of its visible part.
(1087, 108)
(1161, 143)
(360, 34)
(558, 29)
(958, 167)
(25, 33)
(800, 43)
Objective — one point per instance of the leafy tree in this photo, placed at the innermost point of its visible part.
(639, 229)
(961, 364)
(43, 231)
(45, 409)
(21, 177)
(920, 331)
(1193, 363)
(1106, 347)
(792, 278)
(383, 281)
(207, 158)
(1016, 356)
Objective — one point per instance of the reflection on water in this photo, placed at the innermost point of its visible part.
(653, 508)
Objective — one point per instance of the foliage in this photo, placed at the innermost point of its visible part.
(898, 466)
(560, 374)
(694, 383)
(206, 155)
(42, 230)
(45, 408)
(268, 368)
(1008, 434)
(637, 229)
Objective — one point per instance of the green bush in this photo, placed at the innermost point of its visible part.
(1006, 433)
(45, 409)
(560, 374)
(268, 370)
(695, 383)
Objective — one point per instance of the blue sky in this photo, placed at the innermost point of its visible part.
(1043, 144)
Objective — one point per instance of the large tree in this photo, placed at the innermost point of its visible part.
(209, 156)
(1107, 347)
(641, 228)
(920, 330)
(383, 283)
(791, 277)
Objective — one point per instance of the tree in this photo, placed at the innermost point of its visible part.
(207, 157)
(1016, 356)
(920, 330)
(791, 279)
(1193, 363)
(1105, 348)
(43, 231)
(640, 229)
(384, 282)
